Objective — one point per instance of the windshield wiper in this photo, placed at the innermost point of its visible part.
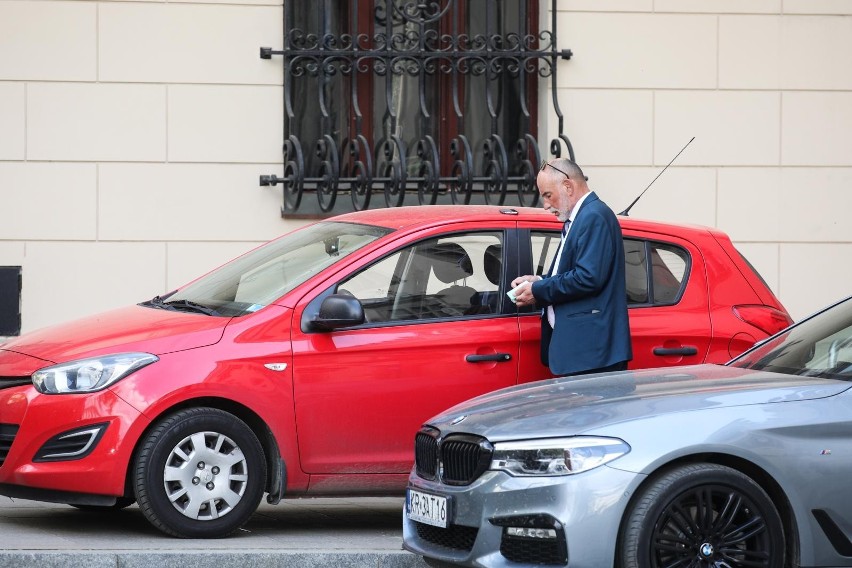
(180, 306)
(190, 306)
(157, 302)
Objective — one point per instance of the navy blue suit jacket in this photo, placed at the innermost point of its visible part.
(588, 295)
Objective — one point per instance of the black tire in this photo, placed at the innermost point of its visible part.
(120, 503)
(702, 515)
(216, 474)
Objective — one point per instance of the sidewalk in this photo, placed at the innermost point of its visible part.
(339, 532)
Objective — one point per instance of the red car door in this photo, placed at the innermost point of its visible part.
(433, 337)
(667, 298)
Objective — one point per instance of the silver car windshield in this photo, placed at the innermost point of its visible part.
(820, 346)
(263, 275)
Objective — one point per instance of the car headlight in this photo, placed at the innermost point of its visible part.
(556, 456)
(89, 375)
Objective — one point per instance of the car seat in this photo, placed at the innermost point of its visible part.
(451, 264)
(492, 262)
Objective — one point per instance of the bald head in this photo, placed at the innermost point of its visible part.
(560, 168)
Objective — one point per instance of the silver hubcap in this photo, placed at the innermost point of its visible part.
(205, 476)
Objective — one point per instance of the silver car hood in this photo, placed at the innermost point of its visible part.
(571, 405)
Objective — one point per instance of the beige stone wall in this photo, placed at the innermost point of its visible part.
(765, 86)
(132, 135)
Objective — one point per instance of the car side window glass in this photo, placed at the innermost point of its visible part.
(669, 268)
(454, 276)
(373, 287)
(636, 271)
(655, 272)
(544, 247)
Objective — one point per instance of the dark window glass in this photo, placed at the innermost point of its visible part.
(423, 93)
(670, 267)
(10, 300)
(636, 271)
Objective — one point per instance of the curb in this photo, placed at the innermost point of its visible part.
(204, 559)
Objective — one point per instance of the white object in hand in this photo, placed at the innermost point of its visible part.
(514, 291)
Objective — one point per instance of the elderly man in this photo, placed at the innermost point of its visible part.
(584, 326)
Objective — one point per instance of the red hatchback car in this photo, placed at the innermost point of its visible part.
(306, 366)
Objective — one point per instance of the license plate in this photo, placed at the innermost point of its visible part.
(428, 508)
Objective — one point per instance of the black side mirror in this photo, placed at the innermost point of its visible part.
(338, 310)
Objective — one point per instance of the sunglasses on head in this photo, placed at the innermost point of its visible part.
(545, 164)
(563, 172)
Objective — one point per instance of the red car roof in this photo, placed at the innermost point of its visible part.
(402, 217)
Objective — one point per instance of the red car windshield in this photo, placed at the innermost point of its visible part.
(263, 275)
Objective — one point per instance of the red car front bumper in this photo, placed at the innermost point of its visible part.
(43, 461)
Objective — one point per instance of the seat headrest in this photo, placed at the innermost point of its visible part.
(492, 262)
(450, 262)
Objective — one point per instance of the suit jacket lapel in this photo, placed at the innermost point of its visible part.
(592, 197)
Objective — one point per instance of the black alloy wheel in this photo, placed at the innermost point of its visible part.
(703, 516)
(199, 473)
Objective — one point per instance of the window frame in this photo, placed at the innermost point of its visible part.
(649, 273)
(527, 253)
(506, 235)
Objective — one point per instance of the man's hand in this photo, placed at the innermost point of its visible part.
(524, 295)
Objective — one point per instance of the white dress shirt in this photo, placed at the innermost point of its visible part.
(551, 315)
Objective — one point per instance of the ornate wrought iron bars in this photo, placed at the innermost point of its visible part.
(459, 80)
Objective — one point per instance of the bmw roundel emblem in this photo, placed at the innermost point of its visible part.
(458, 419)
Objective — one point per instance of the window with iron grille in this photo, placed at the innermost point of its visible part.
(402, 102)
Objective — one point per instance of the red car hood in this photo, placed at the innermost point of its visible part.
(134, 328)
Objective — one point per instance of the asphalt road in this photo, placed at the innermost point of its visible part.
(341, 532)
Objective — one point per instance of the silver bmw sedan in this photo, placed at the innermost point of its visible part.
(747, 464)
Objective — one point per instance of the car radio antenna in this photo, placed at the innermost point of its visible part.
(629, 207)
